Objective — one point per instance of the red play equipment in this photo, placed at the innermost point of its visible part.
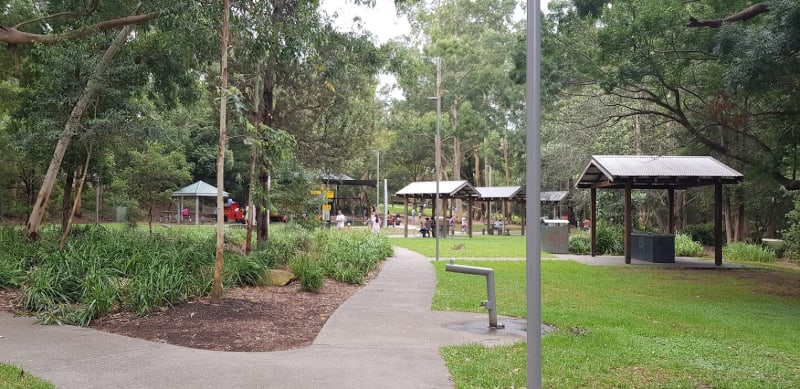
(233, 212)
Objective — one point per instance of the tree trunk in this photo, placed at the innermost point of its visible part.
(216, 287)
(65, 231)
(741, 223)
(477, 157)
(70, 129)
(268, 119)
(726, 216)
(507, 168)
(251, 210)
(66, 201)
(456, 154)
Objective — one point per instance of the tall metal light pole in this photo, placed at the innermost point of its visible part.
(378, 181)
(438, 145)
(533, 204)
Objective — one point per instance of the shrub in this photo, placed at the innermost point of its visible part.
(746, 252)
(309, 272)
(791, 235)
(610, 239)
(244, 270)
(702, 233)
(580, 242)
(686, 247)
(284, 244)
(349, 256)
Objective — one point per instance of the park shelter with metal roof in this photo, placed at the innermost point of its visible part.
(447, 190)
(197, 190)
(630, 172)
(490, 194)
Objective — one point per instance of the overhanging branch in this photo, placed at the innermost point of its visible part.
(13, 36)
(745, 14)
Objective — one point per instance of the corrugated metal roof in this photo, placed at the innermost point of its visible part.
(650, 172)
(198, 189)
(427, 189)
(498, 192)
(553, 197)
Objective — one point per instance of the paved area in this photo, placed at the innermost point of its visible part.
(384, 336)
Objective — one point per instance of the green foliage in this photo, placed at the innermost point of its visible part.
(580, 242)
(309, 271)
(12, 377)
(102, 270)
(703, 233)
(245, 270)
(686, 247)
(282, 246)
(791, 235)
(610, 239)
(747, 252)
(349, 256)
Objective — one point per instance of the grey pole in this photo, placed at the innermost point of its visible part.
(437, 206)
(385, 202)
(378, 181)
(533, 204)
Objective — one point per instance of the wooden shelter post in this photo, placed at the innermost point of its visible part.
(405, 217)
(470, 203)
(628, 189)
(671, 208)
(593, 231)
(718, 224)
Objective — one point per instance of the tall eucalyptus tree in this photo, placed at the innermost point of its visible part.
(81, 26)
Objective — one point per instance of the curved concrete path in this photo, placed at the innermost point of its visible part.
(384, 336)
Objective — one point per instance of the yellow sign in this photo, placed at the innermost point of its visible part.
(326, 207)
(328, 194)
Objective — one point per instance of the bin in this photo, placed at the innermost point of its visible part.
(120, 214)
(555, 236)
(651, 247)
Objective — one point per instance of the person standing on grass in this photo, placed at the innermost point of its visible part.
(340, 219)
(376, 222)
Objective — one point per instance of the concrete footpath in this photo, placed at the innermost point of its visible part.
(384, 336)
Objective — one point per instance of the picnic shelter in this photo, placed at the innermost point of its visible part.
(447, 190)
(196, 191)
(654, 172)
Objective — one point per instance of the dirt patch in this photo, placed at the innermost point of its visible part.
(247, 319)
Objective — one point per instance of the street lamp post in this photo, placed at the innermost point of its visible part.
(378, 181)
(437, 141)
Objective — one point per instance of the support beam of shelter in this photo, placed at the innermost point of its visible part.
(593, 227)
(628, 211)
(718, 224)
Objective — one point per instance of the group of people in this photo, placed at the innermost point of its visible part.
(373, 221)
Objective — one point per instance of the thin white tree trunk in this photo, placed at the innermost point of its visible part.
(216, 287)
(77, 203)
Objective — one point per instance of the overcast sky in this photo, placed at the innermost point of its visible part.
(381, 20)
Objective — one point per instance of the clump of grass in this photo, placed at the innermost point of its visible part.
(746, 252)
(309, 271)
(686, 247)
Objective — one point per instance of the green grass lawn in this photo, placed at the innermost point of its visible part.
(637, 327)
(13, 377)
(479, 246)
